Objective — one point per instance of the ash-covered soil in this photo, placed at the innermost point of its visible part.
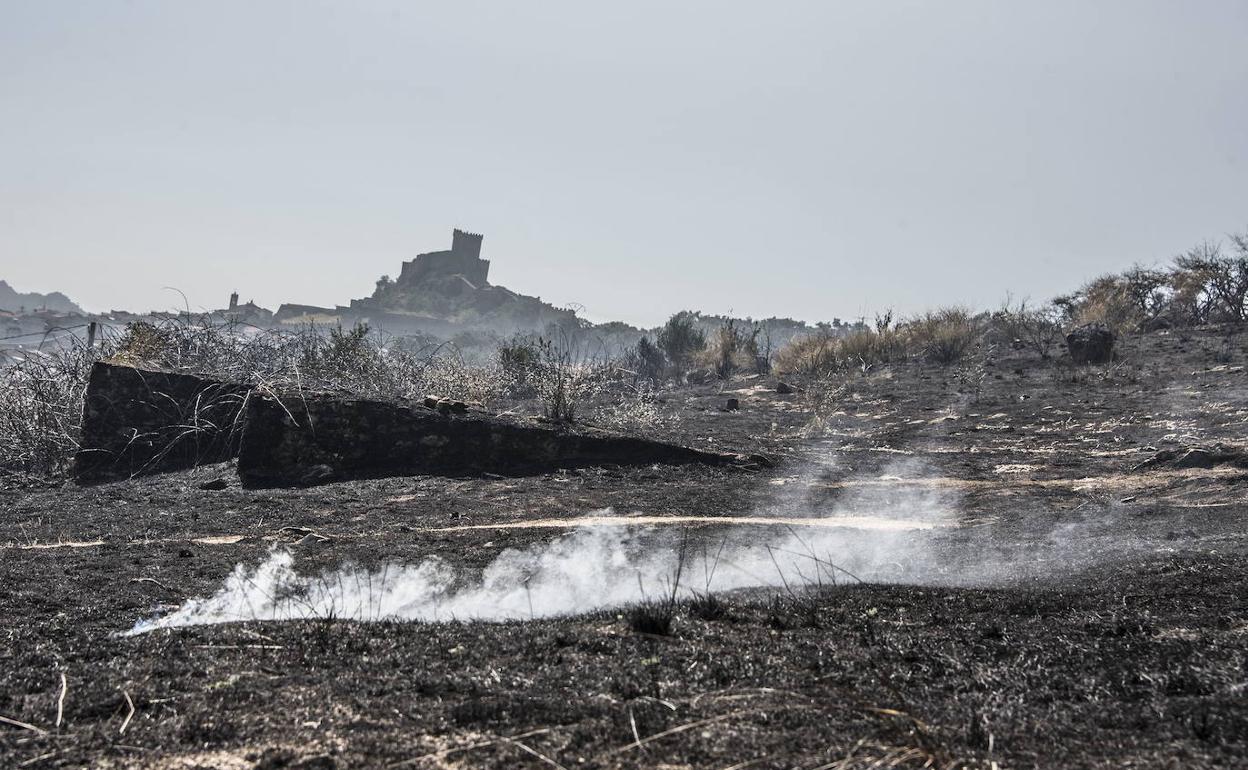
(1058, 607)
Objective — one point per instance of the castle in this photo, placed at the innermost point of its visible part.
(441, 293)
(463, 259)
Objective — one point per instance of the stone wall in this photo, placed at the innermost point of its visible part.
(438, 264)
(319, 438)
(139, 421)
(142, 420)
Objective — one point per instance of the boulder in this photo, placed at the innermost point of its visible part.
(1091, 344)
(315, 438)
(146, 420)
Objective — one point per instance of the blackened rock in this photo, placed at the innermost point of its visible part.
(216, 485)
(1091, 344)
(1196, 457)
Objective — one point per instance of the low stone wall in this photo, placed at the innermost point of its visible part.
(143, 420)
(308, 440)
(139, 421)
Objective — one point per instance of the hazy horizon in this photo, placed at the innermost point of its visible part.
(812, 160)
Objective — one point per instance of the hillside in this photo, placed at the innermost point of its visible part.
(16, 301)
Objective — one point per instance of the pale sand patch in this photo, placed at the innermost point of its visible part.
(205, 540)
(844, 522)
(1014, 468)
(62, 544)
(219, 539)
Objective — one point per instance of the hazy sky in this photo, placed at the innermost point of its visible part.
(809, 159)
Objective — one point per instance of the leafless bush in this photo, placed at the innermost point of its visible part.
(1038, 329)
(824, 397)
(41, 408)
(972, 374)
(1205, 284)
(637, 410)
(564, 380)
(1222, 280)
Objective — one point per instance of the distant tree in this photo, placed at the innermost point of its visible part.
(681, 339)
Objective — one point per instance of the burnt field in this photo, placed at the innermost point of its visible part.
(1008, 563)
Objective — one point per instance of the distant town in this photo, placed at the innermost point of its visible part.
(440, 295)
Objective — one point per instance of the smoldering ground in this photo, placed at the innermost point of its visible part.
(901, 526)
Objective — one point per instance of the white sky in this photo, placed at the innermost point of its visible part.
(810, 159)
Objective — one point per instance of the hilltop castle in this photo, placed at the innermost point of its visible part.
(440, 293)
(463, 259)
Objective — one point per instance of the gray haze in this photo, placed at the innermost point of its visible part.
(813, 159)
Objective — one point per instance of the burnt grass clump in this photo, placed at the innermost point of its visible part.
(657, 618)
(1073, 612)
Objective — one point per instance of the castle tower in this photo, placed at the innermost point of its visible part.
(234, 300)
(466, 244)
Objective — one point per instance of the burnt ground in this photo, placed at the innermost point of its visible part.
(1071, 611)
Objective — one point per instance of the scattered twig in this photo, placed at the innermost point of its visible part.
(674, 731)
(126, 722)
(60, 702)
(23, 725)
(38, 759)
(469, 747)
(156, 582)
(632, 722)
(535, 752)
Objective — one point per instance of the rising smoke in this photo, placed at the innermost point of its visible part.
(880, 531)
(900, 527)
